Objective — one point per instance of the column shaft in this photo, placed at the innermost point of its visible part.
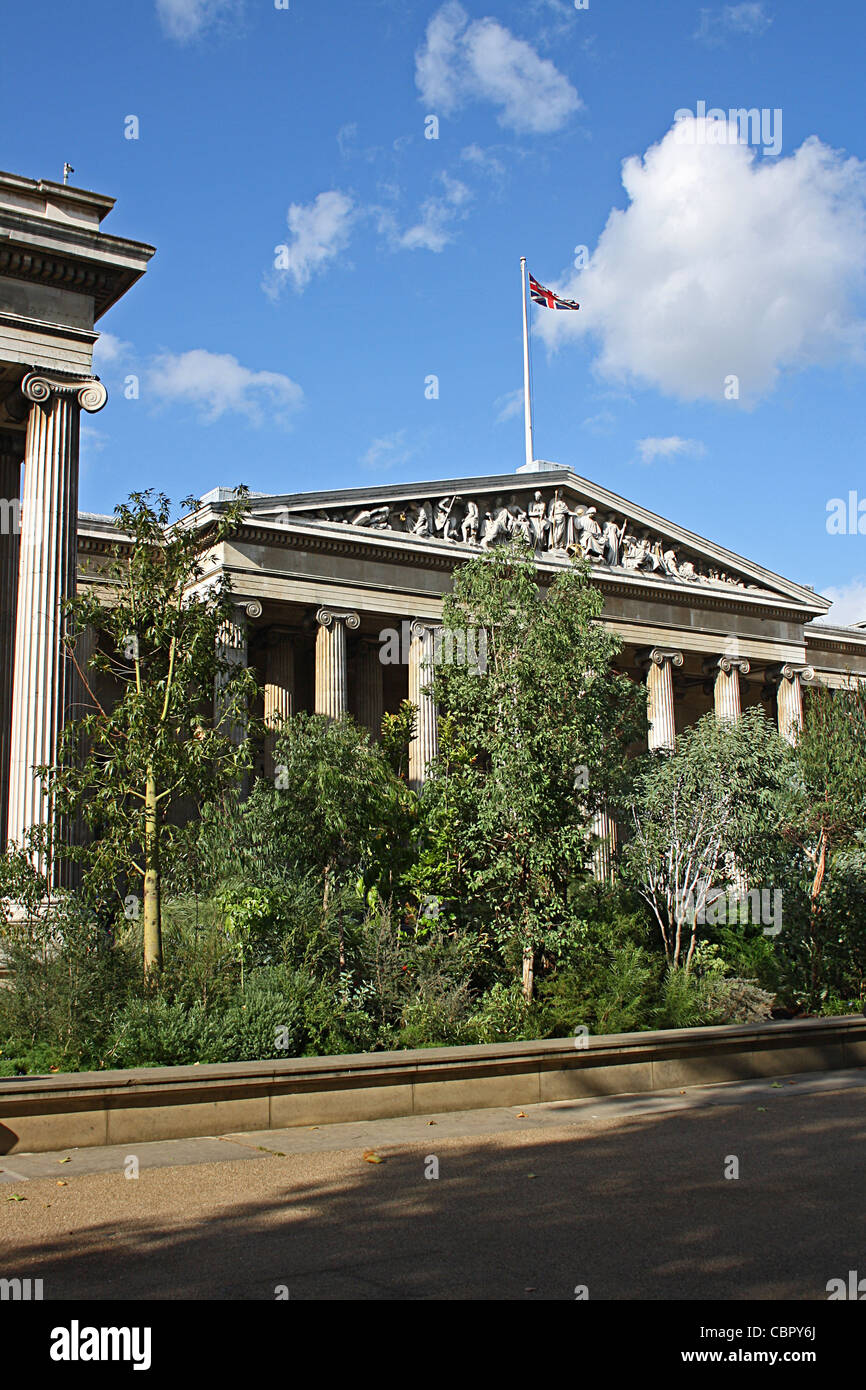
(790, 704)
(47, 576)
(604, 848)
(11, 453)
(232, 652)
(727, 692)
(424, 745)
(279, 694)
(660, 688)
(332, 688)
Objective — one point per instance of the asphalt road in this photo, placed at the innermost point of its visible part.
(627, 1197)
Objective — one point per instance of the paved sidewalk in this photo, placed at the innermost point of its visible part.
(627, 1196)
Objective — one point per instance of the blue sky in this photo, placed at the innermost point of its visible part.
(304, 129)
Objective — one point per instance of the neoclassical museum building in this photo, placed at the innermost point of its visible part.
(318, 577)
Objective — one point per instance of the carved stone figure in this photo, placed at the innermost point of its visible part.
(612, 536)
(423, 524)
(377, 517)
(590, 535)
(538, 519)
(519, 520)
(558, 522)
(469, 525)
(446, 518)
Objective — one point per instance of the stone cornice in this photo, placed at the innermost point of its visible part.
(76, 258)
(368, 545)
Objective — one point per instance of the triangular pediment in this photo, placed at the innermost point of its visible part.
(559, 512)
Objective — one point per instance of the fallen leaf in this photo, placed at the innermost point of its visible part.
(521, 1115)
(762, 1107)
(777, 1085)
(15, 1198)
(64, 1160)
(370, 1157)
(531, 1289)
(61, 1183)
(431, 1122)
(530, 1175)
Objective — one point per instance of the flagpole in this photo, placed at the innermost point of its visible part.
(527, 399)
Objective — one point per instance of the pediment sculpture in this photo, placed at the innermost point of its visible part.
(548, 520)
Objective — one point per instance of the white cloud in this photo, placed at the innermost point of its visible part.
(463, 61)
(723, 264)
(186, 19)
(434, 228)
(215, 383)
(849, 603)
(749, 18)
(483, 160)
(110, 349)
(651, 449)
(509, 405)
(93, 439)
(602, 423)
(388, 451)
(319, 232)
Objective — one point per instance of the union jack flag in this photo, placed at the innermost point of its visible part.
(546, 297)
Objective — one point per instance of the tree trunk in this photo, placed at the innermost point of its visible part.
(815, 912)
(152, 914)
(528, 972)
(326, 897)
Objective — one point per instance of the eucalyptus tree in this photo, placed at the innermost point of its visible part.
(533, 741)
(706, 816)
(154, 743)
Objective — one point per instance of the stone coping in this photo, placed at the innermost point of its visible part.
(82, 1109)
(436, 1062)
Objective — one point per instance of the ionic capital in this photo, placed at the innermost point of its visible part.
(659, 656)
(326, 617)
(39, 389)
(424, 627)
(727, 664)
(790, 672)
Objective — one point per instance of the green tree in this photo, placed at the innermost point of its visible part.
(159, 740)
(708, 813)
(826, 815)
(340, 808)
(534, 736)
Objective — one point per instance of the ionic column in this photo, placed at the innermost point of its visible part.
(46, 577)
(279, 693)
(424, 745)
(232, 656)
(11, 454)
(660, 688)
(789, 698)
(604, 848)
(726, 691)
(370, 696)
(332, 693)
